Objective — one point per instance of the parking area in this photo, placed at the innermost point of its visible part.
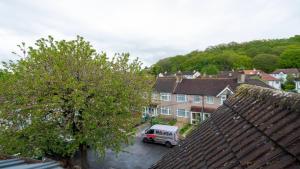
(137, 156)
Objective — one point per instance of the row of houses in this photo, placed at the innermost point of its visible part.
(190, 97)
(257, 128)
(274, 79)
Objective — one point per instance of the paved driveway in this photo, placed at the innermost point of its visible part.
(137, 156)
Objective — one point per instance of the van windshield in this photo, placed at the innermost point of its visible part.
(151, 131)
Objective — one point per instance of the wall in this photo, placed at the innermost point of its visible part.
(174, 105)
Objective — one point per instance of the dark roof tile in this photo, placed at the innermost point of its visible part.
(165, 84)
(204, 86)
(255, 128)
(286, 71)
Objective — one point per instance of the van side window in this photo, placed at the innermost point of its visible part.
(151, 131)
(158, 132)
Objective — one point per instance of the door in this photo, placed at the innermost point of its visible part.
(223, 98)
(195, 118)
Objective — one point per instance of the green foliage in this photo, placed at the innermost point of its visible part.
(163, 121)
(266, 62)
(289, 85)
(185, 128)
(234, 55)
(64, 95)
(290, 58)
(210, 70)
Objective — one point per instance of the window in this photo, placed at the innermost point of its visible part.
(197, 99)
(165, 96)
(209, 100)
(151, 131)
(181, 113)
(181, 98)
(206, 116)
(222, 99)
(165, 110)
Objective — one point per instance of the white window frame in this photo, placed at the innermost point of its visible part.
(167, 95)
(203, 116)
(208, 101)
(165, 108)
(200, 99)
(179, 96)
(185, 113)
(222, 100)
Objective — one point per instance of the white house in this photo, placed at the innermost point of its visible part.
(283, 73)
(271, 81)
(297, 85)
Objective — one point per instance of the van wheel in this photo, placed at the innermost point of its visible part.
(168, 144)
(145, 140)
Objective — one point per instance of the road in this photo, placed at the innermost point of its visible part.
(137, 156)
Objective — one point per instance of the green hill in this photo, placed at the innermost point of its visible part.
(266, 55)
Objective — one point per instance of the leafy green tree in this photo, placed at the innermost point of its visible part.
(289, 85)
(64, 97)
(236, 56)
(290, 58)
(266, 62)
(210, 70)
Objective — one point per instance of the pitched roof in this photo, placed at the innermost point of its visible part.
(256, 82)
(204, 86)
(252, 72)
(255, 128)
(17, 163)
(286, 71)
(201, 86)
(165, 84)
(267, 77)
(228, 74)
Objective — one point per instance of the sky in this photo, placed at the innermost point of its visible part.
(147, 29)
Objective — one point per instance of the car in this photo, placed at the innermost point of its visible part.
(163, 134)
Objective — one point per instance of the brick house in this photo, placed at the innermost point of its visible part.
(192, 100)
(257, 128)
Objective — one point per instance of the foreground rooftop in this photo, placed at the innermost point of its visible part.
(255, 128)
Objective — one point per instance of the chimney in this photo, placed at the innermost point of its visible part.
(179, 77)
(241, 78)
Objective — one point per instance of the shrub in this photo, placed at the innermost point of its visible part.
(185, 128)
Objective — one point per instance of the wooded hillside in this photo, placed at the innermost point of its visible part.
(266, 55)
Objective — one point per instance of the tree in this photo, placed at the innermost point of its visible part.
(235, 56)
(265, 62)
(289, 85)
(290, 58)
(64, 96)
(210, 70)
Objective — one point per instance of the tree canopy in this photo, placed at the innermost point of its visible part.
(266, 55)
(64, 96)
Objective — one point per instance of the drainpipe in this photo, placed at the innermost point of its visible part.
(202, 108)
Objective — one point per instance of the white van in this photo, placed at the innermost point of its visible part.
(162, 134)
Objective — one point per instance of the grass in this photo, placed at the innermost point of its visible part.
(158, 120)
(184, 129)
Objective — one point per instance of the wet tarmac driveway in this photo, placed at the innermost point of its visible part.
(137, 156)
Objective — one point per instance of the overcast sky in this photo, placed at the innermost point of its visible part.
(148, 29)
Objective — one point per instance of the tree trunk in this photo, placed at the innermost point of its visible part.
(83, 156)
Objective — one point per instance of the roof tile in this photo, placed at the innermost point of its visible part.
(255, 128)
